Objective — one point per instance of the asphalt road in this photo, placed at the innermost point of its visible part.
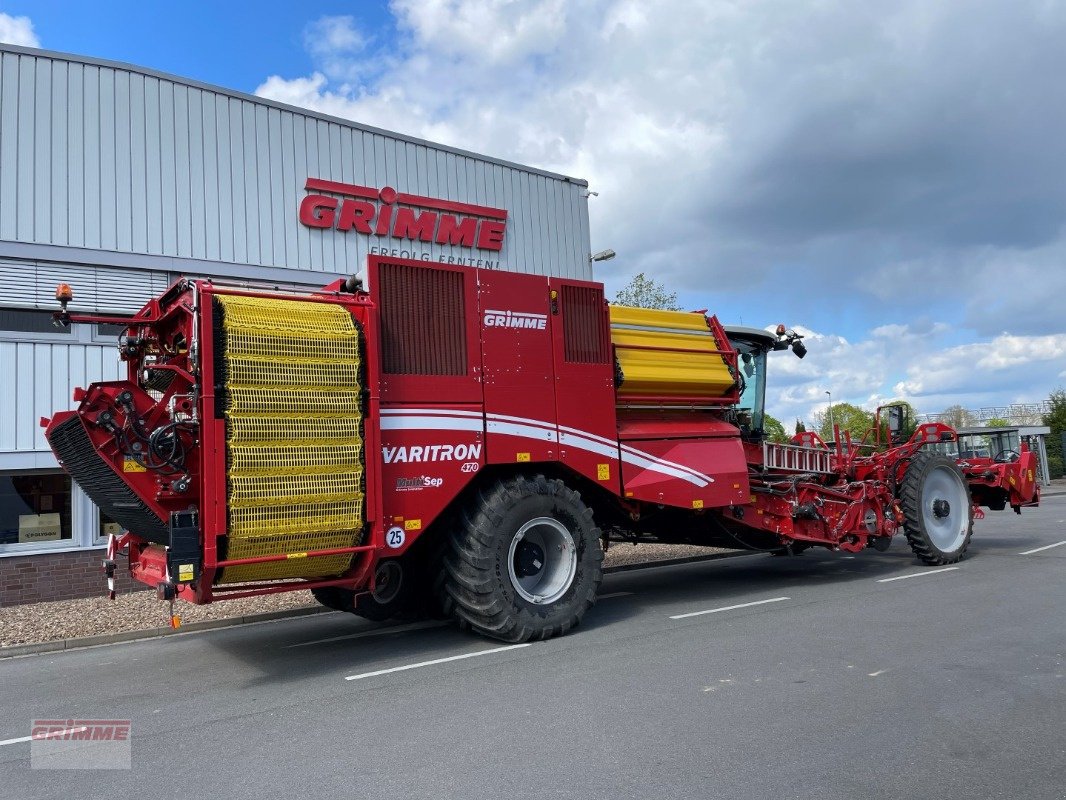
(950, 684)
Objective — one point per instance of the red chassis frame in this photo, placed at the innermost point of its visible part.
(184, 314)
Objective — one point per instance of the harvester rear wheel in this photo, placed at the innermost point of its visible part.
(391, 597)
(336, 598)
(937, 512)
(393, 592)
(525, 560)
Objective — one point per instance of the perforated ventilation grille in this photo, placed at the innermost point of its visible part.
(423, 330)
(584, 334)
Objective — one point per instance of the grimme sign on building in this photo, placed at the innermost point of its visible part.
(118, 179)
(387, 213)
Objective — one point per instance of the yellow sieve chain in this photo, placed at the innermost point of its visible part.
(294, 444)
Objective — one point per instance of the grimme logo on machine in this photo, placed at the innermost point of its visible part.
(515, 319)
(385, 212)
(417, 454)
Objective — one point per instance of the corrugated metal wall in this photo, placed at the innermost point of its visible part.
(108, 162)
(93, 156)
(32, 284)
(39, 378)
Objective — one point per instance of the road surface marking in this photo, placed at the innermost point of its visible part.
(48, 735)
(1045, 547)
(411, 626)
(613, 594)
(916, 575)
(729, 608)
(406, 667)
(879, 672)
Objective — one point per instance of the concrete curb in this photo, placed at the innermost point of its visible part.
(155, 633)
(59, 645)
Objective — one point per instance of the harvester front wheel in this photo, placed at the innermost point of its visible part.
(525, 560)
(937, 512)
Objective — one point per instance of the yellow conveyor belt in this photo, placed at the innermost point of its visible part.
(294, 460)
(667, 355)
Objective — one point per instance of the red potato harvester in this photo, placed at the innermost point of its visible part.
(471, 441)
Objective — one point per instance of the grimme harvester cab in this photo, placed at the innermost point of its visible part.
(471, 439)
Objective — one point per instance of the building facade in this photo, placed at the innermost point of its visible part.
(117, 180)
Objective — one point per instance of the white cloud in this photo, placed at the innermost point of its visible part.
(484, 31)
(17, 30)
(333, 35)
(337, 46)
(886, 167)
(921, 368)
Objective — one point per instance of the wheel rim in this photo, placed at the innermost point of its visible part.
(945, 509)
(388, 579)
(542, 560)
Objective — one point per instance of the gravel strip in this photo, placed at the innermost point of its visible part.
(141, 611)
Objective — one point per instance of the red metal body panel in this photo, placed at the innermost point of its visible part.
(213, 521)
(427, 456)
(518, 368)
(427, 336)
(1012, 482)
(584, 381)
(688, 473)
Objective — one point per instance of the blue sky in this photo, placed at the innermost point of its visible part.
(235, 45)
(890, 179)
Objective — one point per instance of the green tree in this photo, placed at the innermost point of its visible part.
(1055, 419)
(774, 430)
(848, 417)
(644, 292)
(957, 417)
(800, 427)
(997, 422)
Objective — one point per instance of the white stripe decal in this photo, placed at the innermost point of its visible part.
(665, 467)
(522, 421)
(587, 435)
(399, 423)
(525, 431)
(447, 412)
(590, 445)
(627, 449)
(443, 419)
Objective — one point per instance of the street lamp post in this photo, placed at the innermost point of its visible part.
(832, 427)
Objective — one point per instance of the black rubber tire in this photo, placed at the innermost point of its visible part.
(477, 575)
(366, 605)
(336, 598)
(439, 603)
(912, 497)
(796, 549)
(398, 603)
